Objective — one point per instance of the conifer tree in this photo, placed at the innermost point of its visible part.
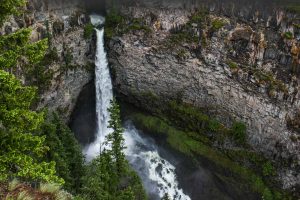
(115, 139)
(20, 150)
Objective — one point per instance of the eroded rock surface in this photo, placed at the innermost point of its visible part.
(62, 22)
(245, 69)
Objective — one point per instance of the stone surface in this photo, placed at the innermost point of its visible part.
(64, 21)
(207, 81)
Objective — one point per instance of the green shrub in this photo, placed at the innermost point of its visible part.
(138, 24)
(114, 23)
(88, 31)
(288, 35)
(217, 24)
(232, 65)
(268, 169)
(267, 194)
(238, 131)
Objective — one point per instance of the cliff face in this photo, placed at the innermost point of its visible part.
(71, 67)
(241, 65)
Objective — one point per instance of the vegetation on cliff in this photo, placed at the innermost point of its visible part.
(39, 155)
(199, 146)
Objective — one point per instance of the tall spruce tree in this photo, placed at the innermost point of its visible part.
(115, 139)
(109, 176)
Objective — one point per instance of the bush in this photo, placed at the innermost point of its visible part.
(238, 131)
(267, 195)
(288, 35)
(217, 24)
(268, 169)
(88, 31)
(232, 65)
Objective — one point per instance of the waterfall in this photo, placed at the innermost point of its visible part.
(157, 174)
(104, 94)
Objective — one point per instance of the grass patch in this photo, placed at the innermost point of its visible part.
(192, 119)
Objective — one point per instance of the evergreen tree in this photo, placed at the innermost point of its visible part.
(66, 152)
(20, 150)
(115, 139)
(109, 175)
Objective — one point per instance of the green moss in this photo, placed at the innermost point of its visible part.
(267, 78)
(268, 169)
(88, 31)
(198, 17)
(217, 24)
(117, 25)
(288, 35)
(232, 65)
(182, 54)
(297, 26)
(138, 24)
(238, 131)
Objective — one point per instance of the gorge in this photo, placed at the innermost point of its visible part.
(208, 91)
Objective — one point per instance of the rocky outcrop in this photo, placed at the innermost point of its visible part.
(62, 22)
(239, 69)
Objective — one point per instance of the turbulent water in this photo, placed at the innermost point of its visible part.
(158, 175)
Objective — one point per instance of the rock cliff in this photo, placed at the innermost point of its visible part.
(72, 56)
(241, 64)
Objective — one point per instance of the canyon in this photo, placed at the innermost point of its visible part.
(237, 62)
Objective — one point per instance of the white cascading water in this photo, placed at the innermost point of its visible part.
(158, 175)
(104, 92)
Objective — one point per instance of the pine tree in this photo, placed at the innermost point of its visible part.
(115, 139)
(106, 174)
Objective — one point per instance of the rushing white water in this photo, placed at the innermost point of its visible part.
(104, 95)
(158, 175)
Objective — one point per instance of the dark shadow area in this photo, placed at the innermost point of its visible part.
(83, 118)
(96, 6)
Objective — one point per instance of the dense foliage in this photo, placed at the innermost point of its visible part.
(109, 175)
(66, 152)
(20, 150)
(8, 7)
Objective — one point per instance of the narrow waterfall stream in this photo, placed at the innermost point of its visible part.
(104, 95)
(157, 174)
